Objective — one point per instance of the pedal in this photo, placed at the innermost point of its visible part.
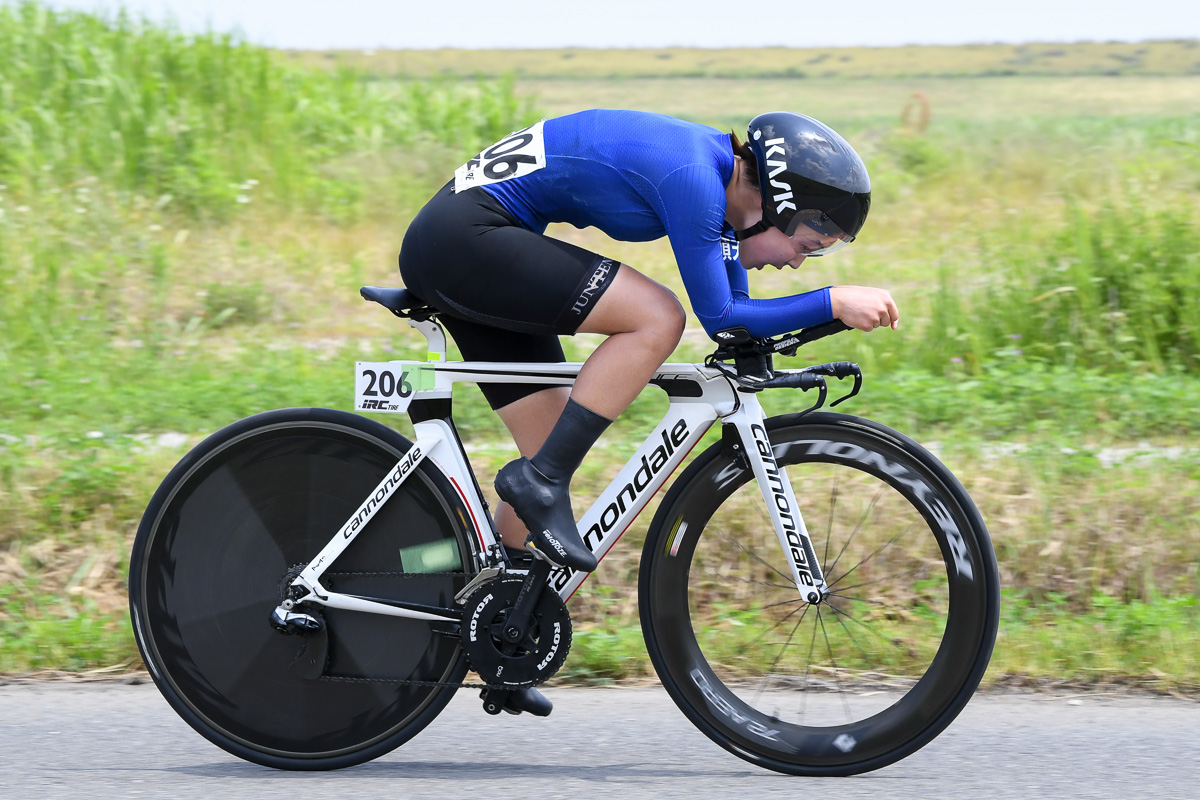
(493, 700)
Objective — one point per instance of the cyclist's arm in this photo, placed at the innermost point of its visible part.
(694, 203)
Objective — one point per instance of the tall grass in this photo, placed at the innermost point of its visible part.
(191, 119)
(1071, 242)
(1116, 289)
(112, 130)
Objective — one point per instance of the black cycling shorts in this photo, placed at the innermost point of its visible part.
(505, 292)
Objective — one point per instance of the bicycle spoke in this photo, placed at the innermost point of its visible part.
(758, 558)
(812, 646)
(738, 579)
(891, 641)
(833, 498)
(866, 513)
(876, 552)
(841, 617)
(747, 646)
(833, 663)
(784, 603)
(841, 592)
(775, 663)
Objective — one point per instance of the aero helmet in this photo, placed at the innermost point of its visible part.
(808, 175)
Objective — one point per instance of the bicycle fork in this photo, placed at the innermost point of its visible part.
(755, 446)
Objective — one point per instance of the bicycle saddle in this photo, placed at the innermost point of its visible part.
(400, 302)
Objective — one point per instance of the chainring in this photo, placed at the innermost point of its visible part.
(532, 660)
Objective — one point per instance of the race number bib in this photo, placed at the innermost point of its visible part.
(519, 153)
(386, 386)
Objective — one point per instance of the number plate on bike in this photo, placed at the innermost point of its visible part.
(387, 386)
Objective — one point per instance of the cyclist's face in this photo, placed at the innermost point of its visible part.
(773, 247)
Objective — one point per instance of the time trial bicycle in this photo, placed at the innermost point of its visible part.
(309, 588)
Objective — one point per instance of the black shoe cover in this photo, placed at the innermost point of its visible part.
(528, 700)
(545, 508)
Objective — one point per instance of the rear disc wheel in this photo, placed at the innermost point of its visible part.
(240, 510)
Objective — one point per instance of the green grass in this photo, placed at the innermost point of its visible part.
(201, 121)
(58, 635)
(1111, 644)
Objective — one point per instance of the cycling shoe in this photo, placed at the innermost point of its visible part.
(528, 700)
(544, 505)
(518, 701)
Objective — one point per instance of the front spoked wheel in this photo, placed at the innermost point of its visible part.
(223, 536)
(853, 683)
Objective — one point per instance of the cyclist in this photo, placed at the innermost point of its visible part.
(478, 253)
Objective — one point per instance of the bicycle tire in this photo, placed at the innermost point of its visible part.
(849, 685)
(219, 535)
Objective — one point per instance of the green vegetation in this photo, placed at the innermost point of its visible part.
(200, 121)
(185, 221)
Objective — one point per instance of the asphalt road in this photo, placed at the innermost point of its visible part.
(99, 741)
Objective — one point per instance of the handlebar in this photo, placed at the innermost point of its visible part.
(734, 342)
(752, 358)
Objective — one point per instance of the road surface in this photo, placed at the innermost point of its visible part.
(111, 740)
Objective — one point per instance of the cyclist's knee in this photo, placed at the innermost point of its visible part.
(668, 322)
(652, 306)
(637, 304)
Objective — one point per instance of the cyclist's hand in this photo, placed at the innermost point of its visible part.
(864, 307)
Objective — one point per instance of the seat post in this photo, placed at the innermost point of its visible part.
(436, 336)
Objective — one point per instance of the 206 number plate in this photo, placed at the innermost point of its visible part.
(383, 386)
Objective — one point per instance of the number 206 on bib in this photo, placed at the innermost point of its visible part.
(382, 386)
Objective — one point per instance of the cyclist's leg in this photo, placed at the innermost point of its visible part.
(530, 420)
(528, 410)
(644, 323)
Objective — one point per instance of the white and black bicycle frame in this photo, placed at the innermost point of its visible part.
(699, 396)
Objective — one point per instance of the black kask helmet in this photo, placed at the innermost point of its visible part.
(808, 175)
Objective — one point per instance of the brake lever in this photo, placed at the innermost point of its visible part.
(854, 391)
(839, 370)
(824, 393)
(857, 373)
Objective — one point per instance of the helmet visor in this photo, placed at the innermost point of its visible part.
(815, 233)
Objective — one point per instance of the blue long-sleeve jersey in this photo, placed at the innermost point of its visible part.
(639, 176)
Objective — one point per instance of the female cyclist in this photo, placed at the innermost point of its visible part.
(477, 253)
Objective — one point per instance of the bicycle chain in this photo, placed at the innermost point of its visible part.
(400, 681)
(396, 575)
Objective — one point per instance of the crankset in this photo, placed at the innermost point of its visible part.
(512, 638)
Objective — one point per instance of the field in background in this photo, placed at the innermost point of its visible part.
(1180, 57)
(169, 265)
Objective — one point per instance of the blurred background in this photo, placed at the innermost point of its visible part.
(192, 193)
